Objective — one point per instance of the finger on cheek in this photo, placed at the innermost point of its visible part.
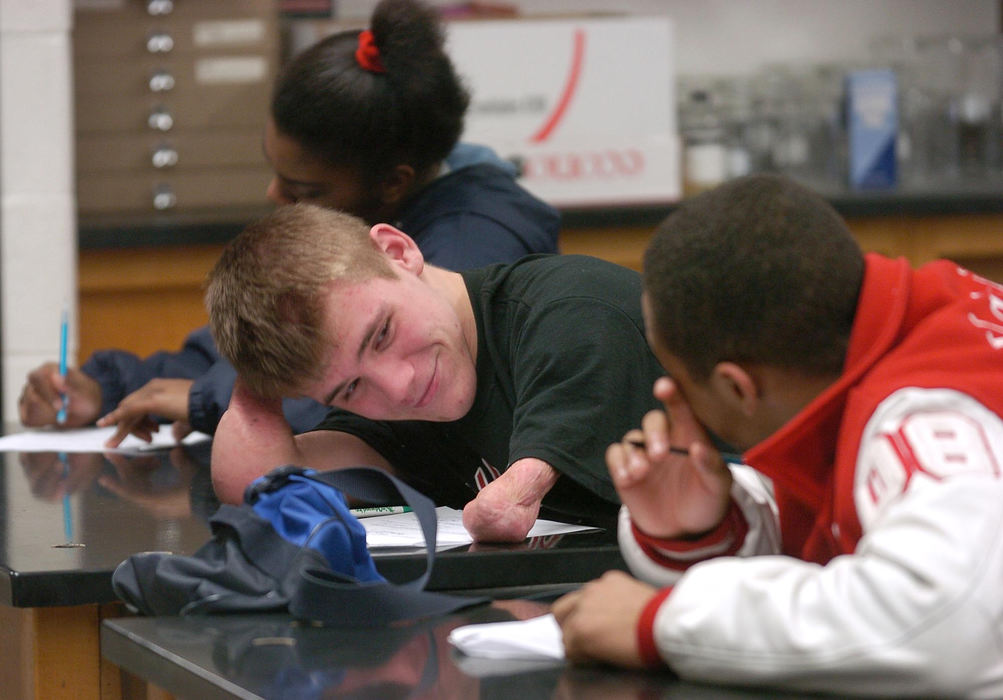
(663, 388)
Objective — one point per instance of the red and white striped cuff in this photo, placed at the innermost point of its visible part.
(646, 630)
(679, 554)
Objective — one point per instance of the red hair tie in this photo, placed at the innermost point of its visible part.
(368, 55)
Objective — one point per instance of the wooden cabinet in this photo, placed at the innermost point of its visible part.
(973, 240)
(142, 299)
(170, 97)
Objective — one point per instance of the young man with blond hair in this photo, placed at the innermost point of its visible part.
(495, 389)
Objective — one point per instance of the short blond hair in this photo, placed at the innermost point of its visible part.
(265, 294)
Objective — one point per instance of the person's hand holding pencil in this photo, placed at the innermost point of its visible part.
(669, 474)
(41, 397)
(57, 394)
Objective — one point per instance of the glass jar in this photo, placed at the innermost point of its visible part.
(705, 150)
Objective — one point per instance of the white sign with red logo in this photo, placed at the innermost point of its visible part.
(586, 105)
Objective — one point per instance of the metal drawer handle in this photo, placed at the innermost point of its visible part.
(158, 8)
(160, 119)
(160, 42)
(164, 197)
(164, 157)
(161, 81)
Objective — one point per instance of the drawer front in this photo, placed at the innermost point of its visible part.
(99, 193)
(199, 24)
(178, 151)
(167, 77)
(208, 108)
(118, 40)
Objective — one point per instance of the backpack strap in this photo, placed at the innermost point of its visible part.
(326, 596)
(380, 488)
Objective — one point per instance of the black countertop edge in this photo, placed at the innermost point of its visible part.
(500, 569)
(146, 658)
(217, 226)
(56, 588)
(847, 203)
(195, 227)
(457, 571)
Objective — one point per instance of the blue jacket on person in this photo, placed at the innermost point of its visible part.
(473, 214)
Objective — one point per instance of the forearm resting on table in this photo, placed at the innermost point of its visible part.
(249, 444)
(505, 509)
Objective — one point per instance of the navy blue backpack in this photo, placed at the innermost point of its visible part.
(292, 546)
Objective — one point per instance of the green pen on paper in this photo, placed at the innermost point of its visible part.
(373, 511)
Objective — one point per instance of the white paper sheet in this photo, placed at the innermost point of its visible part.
(89, 440)
(402, 530)
(535, 638)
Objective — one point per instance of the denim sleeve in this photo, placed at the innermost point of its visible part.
(210, 395)
(119, 373)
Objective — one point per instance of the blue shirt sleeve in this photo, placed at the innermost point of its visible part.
(210, 396)
(119, 373)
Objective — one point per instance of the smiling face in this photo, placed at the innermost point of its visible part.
(401, 353)
(303, 177)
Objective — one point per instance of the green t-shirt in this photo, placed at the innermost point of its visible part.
(563, 370)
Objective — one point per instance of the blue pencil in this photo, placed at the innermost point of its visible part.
(67, 511)
(67, 519)
(64, 332)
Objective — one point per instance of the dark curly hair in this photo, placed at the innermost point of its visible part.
(758, 270)
(352, 117)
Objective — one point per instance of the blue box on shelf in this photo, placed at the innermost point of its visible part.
(872, 128)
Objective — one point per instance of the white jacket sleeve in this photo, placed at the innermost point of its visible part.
(916, 609)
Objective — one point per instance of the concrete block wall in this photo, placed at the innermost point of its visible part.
(38, 249)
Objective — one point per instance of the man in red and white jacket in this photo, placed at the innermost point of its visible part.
(863, 550)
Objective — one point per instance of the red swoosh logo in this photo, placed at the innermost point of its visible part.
(577, 58)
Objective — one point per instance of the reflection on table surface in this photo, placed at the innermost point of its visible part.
(69, 519)
(160, 482)
(263, 656)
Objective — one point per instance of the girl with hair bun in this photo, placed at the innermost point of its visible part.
(369, 122)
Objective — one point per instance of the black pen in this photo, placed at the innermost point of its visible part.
(726, 456)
